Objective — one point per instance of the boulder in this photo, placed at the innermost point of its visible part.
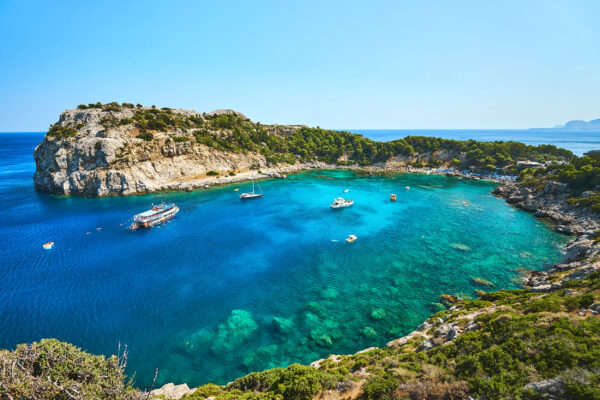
(171, 391)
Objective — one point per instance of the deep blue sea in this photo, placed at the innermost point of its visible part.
(230, 287)
(578, 142)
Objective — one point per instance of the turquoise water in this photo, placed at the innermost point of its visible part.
(230, 287)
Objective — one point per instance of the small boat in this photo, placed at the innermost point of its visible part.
(253, 195)
(346, 190)
(392, 197)
(236, 189)
(156, 215)
(351, 239)
(48, 246)
(407, 188)
(340, 202)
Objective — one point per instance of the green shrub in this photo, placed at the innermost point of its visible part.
(380, 388)
(179, 139)
(147, 136)
(61, 131)
(212, 173)
(50, 369)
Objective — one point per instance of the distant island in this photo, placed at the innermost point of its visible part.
(577, 125)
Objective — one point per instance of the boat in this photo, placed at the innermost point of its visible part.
(156, 215)
(48, 246)
(351, 239)
(346, 190)
(253, 195)
(340, 202)
(392, 197)
(407, 188)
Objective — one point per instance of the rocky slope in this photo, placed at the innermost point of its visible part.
(102, 152)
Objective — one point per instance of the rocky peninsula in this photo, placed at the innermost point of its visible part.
(121, 149)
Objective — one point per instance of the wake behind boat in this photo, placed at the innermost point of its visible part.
(157, 215)
(253, 195)
(340, 202)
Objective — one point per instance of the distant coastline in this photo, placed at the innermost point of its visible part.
(578, 141)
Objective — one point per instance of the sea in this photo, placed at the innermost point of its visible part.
(228, 287)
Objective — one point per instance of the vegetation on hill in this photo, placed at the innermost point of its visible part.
(233, 132)
(582, 174)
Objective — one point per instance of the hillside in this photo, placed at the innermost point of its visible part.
(122, 149)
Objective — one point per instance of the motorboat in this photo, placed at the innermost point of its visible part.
(340, 202)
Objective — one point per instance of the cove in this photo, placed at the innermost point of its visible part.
(229, 287)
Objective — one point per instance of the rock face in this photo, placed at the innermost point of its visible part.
(582, 254)
(102, 155)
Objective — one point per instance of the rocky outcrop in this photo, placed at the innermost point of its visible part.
(103, 155)
(582, 254)
(171, 391)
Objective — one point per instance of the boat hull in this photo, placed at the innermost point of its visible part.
(250, 196)
(167, 215)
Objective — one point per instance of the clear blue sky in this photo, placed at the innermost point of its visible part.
(336, 64)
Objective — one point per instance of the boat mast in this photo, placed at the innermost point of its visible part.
(252, 182)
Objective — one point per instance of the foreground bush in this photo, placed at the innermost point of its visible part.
(50, 369)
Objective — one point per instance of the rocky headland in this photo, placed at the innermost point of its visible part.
(121, 149)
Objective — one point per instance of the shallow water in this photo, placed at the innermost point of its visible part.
(230, 287)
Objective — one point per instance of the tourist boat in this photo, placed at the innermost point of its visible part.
(392, 197)
(351, 239)
(48, 246)
(340, 202)
(253, 195)
(157, 215)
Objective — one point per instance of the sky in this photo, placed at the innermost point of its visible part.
(335, 64)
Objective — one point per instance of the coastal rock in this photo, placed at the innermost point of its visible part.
(549, 389)
(171, 391)
(101, 156)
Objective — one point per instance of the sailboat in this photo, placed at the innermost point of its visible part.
(253, 195)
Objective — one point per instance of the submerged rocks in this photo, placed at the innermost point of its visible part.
(378, 313)
(238, 327)
(460, 247)
(482, 282)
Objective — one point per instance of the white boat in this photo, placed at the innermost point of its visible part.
(340, 202)
(253, 195)
(346, 190)
(158, 214)
(351, 239)
(48, 246)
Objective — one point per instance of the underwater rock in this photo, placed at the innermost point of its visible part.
(436, 307)
(460, 247)
(369, 332)
(448, 299)
(378, 313)
(329, 293)
(262, 358)
(283, 325)
(482, 282)
(316, 308)
(238, 327)
(479, 292)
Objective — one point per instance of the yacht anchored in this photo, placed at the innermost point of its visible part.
(155, 216)
(253, 195)
(340, 202)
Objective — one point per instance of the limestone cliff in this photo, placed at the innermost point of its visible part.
(101, 151)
